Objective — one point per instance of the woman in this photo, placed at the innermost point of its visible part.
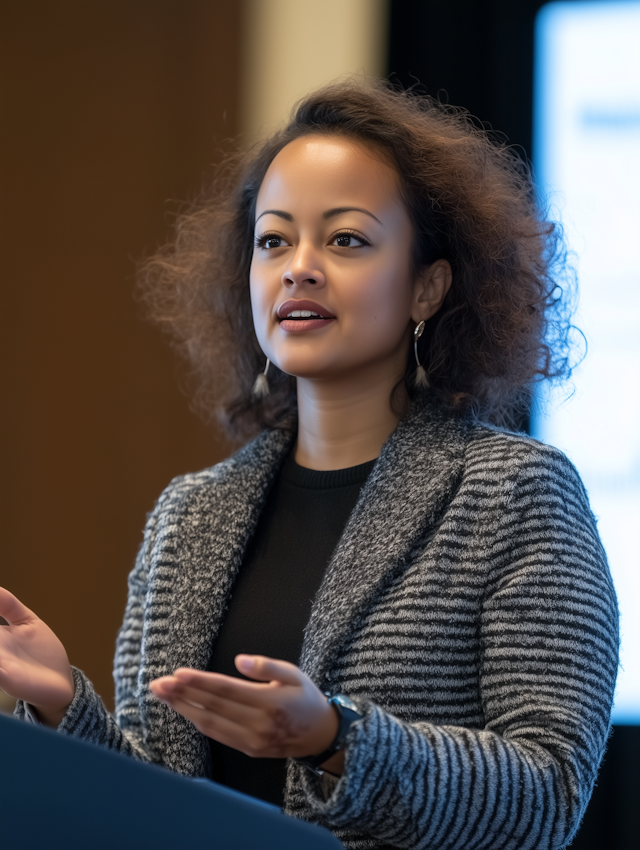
(383, 268)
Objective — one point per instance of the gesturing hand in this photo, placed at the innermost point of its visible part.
(281, 714)
(33, 663)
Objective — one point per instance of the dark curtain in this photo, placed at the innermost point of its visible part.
(478, 54)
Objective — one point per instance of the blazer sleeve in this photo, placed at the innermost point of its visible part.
(548, 650)
(87, 716)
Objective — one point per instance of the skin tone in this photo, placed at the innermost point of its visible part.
(330, 228)
(347, 247)
(33, 663)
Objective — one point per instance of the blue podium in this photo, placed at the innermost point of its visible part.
(60, 793)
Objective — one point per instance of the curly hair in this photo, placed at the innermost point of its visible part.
(504, 323)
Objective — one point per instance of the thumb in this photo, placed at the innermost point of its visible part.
(13, 611)
(265, 669)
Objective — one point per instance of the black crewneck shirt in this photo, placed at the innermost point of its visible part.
(302, 521)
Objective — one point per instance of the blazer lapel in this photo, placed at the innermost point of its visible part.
(412, 482)
(215, 523)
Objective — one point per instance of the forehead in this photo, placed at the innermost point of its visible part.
(329, 171)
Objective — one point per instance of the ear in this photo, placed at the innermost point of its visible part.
(430, 289)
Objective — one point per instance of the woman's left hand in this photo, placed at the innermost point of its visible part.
(280, 715)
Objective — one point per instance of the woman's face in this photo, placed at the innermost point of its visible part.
(331, 288)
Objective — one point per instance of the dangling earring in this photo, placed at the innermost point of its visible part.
(420, 378)
(261, 386)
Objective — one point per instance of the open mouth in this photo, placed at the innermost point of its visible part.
(302, 321)
(298, 315)
(301, 315)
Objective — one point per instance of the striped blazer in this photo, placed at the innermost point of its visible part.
(468, 609)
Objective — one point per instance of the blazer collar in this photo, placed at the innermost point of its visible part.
(412, 482)
(193, 580)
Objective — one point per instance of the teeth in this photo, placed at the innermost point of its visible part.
(302, 314)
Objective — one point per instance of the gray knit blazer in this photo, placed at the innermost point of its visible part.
(468, 609)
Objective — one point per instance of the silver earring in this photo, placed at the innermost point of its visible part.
(420, 378)
(261, 386)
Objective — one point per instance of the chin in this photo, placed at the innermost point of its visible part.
(303, 367)
(308, 374)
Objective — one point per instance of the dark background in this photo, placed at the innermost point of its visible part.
(478, 54)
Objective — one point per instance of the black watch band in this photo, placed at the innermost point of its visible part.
(347, 714)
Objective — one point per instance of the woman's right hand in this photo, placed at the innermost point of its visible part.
(33, 663)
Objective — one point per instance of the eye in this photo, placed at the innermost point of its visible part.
(269, 241)
(349, 239)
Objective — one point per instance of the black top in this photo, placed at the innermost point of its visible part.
(303, 519)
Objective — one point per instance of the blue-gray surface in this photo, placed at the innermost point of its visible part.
(57, 792)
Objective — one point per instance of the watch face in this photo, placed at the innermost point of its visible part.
(344, 701)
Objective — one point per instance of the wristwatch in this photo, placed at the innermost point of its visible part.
(347, 714)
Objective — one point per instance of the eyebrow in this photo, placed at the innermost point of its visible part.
(285, 215)
(326, 214)
(337, 210)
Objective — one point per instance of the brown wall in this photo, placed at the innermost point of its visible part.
(109, 109)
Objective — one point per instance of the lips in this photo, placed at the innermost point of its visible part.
(293, 305)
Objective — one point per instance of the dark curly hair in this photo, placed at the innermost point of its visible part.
(504, 323)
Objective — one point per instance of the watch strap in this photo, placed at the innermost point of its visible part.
(347, 714)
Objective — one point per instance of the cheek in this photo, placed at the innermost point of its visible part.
(254, 291)
(258, 290)
(258, 311)
(380, 300)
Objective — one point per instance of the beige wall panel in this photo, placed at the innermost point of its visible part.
(293, 46)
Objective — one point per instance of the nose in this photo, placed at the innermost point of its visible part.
(304, 269)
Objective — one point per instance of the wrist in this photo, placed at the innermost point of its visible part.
(332, 758)
(48, 717)
(334, 764)
(53, 715)
(330, 730)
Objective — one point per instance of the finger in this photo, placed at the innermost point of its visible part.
(229, 687)
(265, 669)
(225, 687)
(171, 691)
(13, 611)
(166, 688)
(219, 728)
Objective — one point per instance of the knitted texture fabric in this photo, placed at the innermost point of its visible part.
(468, 610)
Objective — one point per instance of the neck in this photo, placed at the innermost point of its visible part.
(344, 422)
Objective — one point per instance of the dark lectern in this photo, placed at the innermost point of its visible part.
(58, 792)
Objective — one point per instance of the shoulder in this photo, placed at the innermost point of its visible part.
(483, 450)
(523, 467)
(542, 524)
(509, 451)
